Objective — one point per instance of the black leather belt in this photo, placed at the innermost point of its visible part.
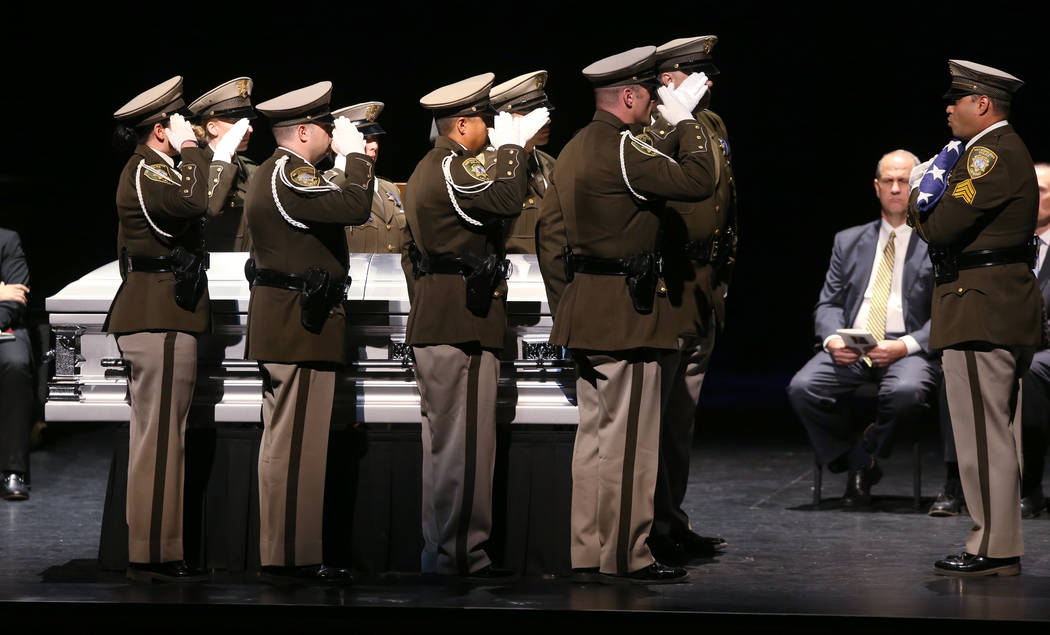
(282, 280)
(599, 266)
(946, 266)
(154, 264)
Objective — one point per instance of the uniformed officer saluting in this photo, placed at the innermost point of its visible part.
(215, 112)
(607, 310)
(456, 325)
(386, 230)
(161, 305)
(520, 96)
(976, 204)
(296, 318)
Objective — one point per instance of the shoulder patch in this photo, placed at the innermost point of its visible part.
(476, 169)
(156, 171)
(980, 162)
(304, 175)
(643, 147)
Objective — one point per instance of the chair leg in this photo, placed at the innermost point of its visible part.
(818, 477)
(917, 475)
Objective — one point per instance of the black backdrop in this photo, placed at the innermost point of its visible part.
(811, 97)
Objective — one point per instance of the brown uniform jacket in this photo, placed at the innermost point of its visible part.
(591, 204)
(325, 204)
(693, 289)
(439, 313)
(226, 229)
(990, 202)
(176, 200)
(521, 231)
(386, 230)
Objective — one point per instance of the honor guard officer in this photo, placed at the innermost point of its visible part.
(226, 107)
(605, 201)
(296, 318)
(386, 230)
(520, 96)
(698, 249)
(456, 208)
(160, 307)
(975, 204)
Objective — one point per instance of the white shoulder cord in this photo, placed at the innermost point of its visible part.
(273, 188)
(142, 203)
(466, 189)
(623, 165)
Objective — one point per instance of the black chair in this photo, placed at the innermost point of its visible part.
(863, 406)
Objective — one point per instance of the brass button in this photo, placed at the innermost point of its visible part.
(509, 173)
(524, 204)
(698, 136)
(185, 191)
(218, 169)
(495, 294)
(233, 204)
(960, 289)
(389, 247)
(215, 181)
(662, 133)
(717, 208)
(186, 179)
(388, 225)
(510, 163)
(531, 201)
(512, 151)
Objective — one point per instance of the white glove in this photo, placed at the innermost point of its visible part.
(227, 143)
(692, 90)
(918, 172)
(672, 110)
(346, 138)
(506, 130)
(531, 123)
(179, 131)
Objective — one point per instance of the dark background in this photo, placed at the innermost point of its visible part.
(812, 97)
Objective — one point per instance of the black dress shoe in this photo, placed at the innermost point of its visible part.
(308, 574)
(697, 546)
(667, 549)
(583, 575)
(1033, 504)
(966, 565)
(655, 573)
(174, 571)
(950, 500)
(489, 572)
(13, 487)
(859, 484)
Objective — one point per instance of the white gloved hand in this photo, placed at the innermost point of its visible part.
(672, 110)
(505, 130)
(179, 131)
(918, 172)
(531, 123)
(692, 90)
(227, 143)
(346, 138)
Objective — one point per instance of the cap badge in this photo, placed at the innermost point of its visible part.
(370, 114)
(242, 88)
(708, 45)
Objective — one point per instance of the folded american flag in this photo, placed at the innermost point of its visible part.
(933, 182)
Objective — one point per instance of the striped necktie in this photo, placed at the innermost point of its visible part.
(880, 294)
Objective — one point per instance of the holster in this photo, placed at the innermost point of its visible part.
(191, 278)
(318, 293)
(482, 280)
(642, 280)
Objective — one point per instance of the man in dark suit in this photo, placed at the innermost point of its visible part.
(880, 280)
(1035, 388)
(16, 371)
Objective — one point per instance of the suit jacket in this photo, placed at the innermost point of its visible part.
(990, 202)
(176, 201)
(13, 270)
(439, 313)
(321, 205)
(850, 271)
(606, 208)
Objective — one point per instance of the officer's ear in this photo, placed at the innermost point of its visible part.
(462, 125)
(983, 104)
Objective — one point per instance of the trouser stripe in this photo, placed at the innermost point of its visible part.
(623, 546)
(470, 449)
(981, 441)
(160, 470)
(294, 458)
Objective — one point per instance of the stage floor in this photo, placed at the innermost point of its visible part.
(788, 566)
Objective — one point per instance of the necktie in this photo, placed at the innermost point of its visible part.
(880, 293)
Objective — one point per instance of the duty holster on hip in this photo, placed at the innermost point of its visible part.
(191, 278)
(481, 275)
(641, 271)
(318, 293)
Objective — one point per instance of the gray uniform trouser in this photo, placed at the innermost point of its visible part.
(681, 394)
(457, 390)
(983, 396)
(293, 454)
(161, 378)
(615, 458)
